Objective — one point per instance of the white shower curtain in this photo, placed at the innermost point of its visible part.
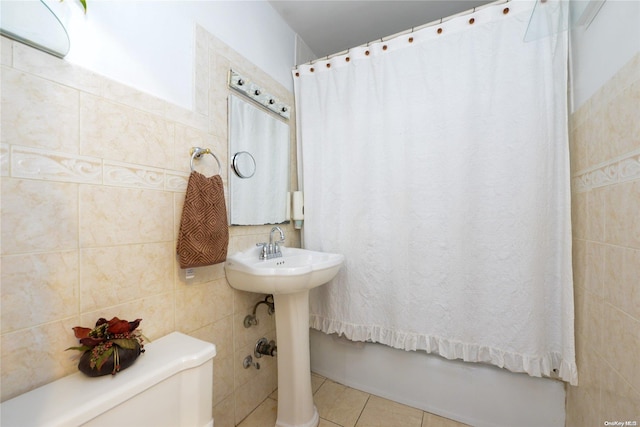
(437, 163)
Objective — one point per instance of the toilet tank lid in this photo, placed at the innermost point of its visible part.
(76, 399)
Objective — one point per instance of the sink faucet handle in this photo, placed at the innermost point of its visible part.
(264, 250)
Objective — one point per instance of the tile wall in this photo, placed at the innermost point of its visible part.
(93, 178)
(605, 163)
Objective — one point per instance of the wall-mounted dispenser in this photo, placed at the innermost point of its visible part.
(297, 214)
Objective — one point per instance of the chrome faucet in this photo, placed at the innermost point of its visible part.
(272, 249)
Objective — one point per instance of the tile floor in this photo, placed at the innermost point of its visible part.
(342, 406)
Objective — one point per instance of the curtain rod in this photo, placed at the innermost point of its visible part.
(409, 31)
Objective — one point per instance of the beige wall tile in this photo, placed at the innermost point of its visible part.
(621, 344)
(111, 215)
(131, 97)
(251, 394)
(223, 379)
(202, 275)
(117, 132)
(224, 413)
(579, 220)
(202, 304)
(248, 336)
(38, 216)
(49, 67)
(188, 137)
(622, 270)
(621, 127)
(219, 145)
(595, 268)
(579, 258)
(157, 313)
(606, 228)
(201, 72)
(588, 315)
(4, 159)
(590, 365)
(596, 213)
(38, 288)
(620, 402)
(590, 135)
(187, 117)
(245, 376)
(219, 67)
(38, 113)
(583, 402)
(245, 301)
(219, 333)
(578, 149)
(582, 407)
(37, 356)
(622, 219)
(142, 270)
(178, 206)
(630, 283)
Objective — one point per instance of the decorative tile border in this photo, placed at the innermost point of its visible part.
(127, 175)
(629, 168)
(620, 169)
(33, 163)
(48, 165)
(176, 181)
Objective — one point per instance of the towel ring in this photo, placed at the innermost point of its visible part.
(197, 152)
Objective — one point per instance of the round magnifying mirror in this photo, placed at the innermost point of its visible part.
(244, 165)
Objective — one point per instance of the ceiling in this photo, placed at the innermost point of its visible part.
(331, 26)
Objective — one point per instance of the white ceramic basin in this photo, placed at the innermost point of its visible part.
(289, 279)
(297, 270)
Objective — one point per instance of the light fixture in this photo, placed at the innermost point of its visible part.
(249, 89)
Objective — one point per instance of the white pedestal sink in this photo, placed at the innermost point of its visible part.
(289, 279)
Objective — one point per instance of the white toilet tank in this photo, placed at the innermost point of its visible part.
(170, 385)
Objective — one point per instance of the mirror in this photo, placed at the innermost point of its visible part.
(258, 165)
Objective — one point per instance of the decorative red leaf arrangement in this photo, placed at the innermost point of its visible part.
(113, 344)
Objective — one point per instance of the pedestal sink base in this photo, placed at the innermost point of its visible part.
(314, 422)
(295, 399)
(289, 279)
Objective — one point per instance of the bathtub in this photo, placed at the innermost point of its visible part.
(476, 394)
